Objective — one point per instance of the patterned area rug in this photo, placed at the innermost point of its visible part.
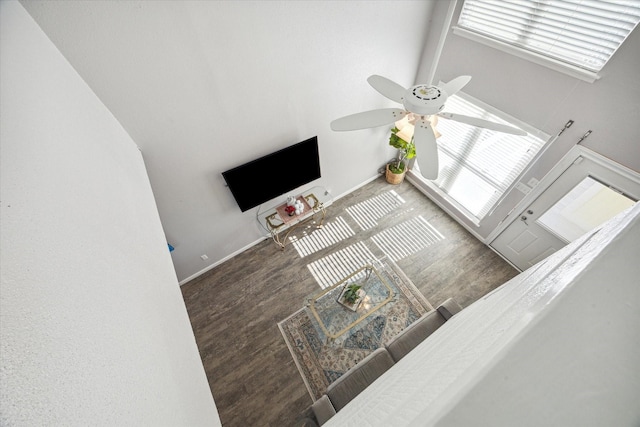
(321, 360)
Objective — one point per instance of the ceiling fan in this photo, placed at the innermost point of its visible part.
(420, 102)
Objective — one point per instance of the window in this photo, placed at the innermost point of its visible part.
(587, 206)
(477, 165)
(582, 33)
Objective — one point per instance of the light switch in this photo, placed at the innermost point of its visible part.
(533, 182)
(524, 188)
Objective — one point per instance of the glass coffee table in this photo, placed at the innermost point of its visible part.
(334, 317)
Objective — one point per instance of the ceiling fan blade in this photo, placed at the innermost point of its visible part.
(426, 149)
(455, 85)
(368, 119)
(387, 88)
(474, 121)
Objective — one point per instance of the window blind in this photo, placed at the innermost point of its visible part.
(584, 33)
(477, 166)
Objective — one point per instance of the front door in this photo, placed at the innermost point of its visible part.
(586, 194)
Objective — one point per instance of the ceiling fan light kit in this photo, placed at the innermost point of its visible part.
(423, 104)
(407, 126)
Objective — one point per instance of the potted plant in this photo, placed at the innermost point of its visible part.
(351, 296)
(397, 169)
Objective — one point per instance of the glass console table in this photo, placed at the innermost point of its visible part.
(275, 220)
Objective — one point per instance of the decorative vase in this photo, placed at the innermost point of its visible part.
(395, 178)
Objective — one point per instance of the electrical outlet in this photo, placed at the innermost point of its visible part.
(533, 182)
(204, 257)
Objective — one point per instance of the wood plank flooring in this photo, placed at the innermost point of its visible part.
(234, 308)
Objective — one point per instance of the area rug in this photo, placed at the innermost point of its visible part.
(321, 361)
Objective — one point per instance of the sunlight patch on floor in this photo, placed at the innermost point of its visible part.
(366, 214)
(336, 266)
(330, 233)
(407, 238)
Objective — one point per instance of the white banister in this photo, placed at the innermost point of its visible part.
(556, 344)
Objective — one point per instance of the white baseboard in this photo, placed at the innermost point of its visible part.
(373, 178)
(250, 245)
(220, 261)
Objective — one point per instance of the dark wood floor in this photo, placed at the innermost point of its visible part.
(234, 308)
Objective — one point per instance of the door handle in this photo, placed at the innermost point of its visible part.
(524, 219)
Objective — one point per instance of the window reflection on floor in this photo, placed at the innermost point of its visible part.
(330, 233)
(366, 214)
(334, 267)
(407, 238)
(396, 242)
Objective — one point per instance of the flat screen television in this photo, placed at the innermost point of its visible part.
(275, 174)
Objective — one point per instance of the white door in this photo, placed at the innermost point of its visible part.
(586, 194)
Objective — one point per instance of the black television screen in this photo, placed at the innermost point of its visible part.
(275, 174)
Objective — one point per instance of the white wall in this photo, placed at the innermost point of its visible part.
(547, 99)
(556, 346)
(205, 86)
(93, 329)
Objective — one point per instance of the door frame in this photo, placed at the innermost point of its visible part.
(565, 163)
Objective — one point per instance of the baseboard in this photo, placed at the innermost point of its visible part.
(373, 178)
(250, 245)
(220, 261)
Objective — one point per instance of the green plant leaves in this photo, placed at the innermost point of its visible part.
(351, 294)
(407, 151)
(397, 168)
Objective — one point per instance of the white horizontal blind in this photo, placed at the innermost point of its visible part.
(478, 165)
(584, 33)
